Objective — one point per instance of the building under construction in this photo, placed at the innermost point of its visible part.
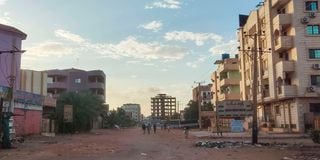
(163, 106)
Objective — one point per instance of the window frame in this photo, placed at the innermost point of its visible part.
(313, 29)
(315, 80)
(310, 2)
(315, 54)
(77, 80)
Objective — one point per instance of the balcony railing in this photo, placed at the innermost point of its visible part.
(282, 20)
(228, 82)
(283, 43)
(287, 91)
(284, 66)
(276, 3)
(229, 96)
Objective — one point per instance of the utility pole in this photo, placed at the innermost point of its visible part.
(5, 116)
(199, 103)
(254, 92)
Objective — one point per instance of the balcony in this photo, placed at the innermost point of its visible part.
(96, 85)
(284, 66)
(228, 67)
(58, 85)
(265, 74)
(229, 82)
(283, 43)
(276, 3)
(282, 20)
(287, 91)
(229, 96)
(248, 82)
(265, 94)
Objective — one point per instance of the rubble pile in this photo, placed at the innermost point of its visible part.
(234, 144)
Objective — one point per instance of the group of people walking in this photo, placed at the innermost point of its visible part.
(148, 128)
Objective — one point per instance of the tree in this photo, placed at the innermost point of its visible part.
(86, 107)
(191, 112)
(118, 117)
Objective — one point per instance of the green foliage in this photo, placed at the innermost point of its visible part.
(207, 107)
(118, 117)
(315, 136)
(191, 112)
(86, 107)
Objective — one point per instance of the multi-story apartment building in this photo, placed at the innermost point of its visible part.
(134, 110)
(226, 85)
(163, 106)
(288, 50)
(202, 95)
(75, 80)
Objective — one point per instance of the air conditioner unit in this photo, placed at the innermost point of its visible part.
(312, 14)
(316, 66)
(304, 20)
(310, 89)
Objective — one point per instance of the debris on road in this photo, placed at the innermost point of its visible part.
(231, 144)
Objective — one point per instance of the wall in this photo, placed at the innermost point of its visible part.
(27, 122)
(34, 82)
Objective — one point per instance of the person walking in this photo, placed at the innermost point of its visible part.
(148, 128)
(186, 131)
(219, 129)
(154, 128)
(144, 128)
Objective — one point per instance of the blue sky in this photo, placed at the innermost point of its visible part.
(145, 47)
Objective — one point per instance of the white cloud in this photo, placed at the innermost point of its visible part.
(2, 2)
(130, 47)
(198, 38)
(5, 18)
(155, 26)
(225, 47)
(134, 76)
(69, 36)
(149, 64)
(49, 49)
(196, 63)
(170, 4)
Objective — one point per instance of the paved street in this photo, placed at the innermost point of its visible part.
(131, 144)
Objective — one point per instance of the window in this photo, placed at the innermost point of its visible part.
(313, 30)
(78, 80)
(277, 109)
(315, 80)
(315, 107)
(311, 5)
(314, 53)
(49, 80)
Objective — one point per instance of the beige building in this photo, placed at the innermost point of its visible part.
(163, 106)
(226, 85)
(202, 94)
(36, 82)
(288, 50)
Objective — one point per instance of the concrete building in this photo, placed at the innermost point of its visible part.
(288, 50)
(163, 106)
(202, 95)
(75, 80)
(134, 110)
(10, 57)
(32, 103)
(10, 61)
(226, 86)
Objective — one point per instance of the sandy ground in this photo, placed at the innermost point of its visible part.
(131, 144)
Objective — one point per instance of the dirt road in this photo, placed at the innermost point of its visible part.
(131, 144)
